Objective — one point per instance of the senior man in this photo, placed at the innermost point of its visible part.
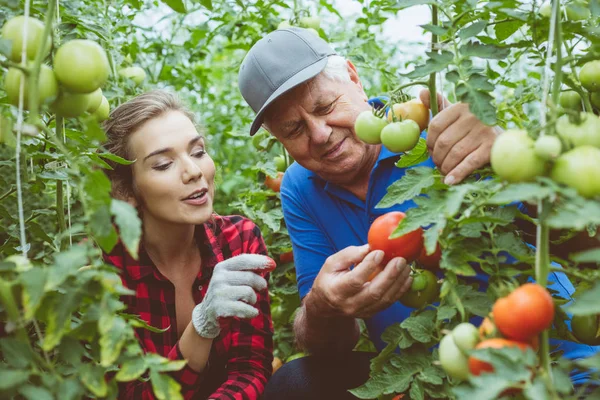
(308, 97)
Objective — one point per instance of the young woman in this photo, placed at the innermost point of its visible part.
(200, 276)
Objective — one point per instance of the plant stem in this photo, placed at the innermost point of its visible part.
(433, 105)
(10, 307)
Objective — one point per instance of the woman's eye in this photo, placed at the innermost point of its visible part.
(162, 167)
(199, 153)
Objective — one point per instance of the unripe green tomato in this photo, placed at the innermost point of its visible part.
(585, 329)
(47, 86)
(589, 76)
(548, 147)
(570, 99)
(546, 9)
(453, 361)
(595, 99)
(13, 31)
(95, 100)
(586, 132)
(513, 157)
(103, 110)
(71, 105)
(578, 11)
(135, 73)
(310, 22)
(368, 127)
(466, 336)
(400, 136)
(580, 169)
(280, 163)
(284, 24)
(81, 66)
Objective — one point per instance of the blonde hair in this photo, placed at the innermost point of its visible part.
(125, 120)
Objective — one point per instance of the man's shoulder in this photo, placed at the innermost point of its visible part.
(299, 179)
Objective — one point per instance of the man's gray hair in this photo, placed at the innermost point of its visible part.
(336, 69)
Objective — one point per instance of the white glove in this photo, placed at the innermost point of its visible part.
(231, 292)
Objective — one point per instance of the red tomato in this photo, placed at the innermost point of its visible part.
(274, 183)
(431, 261)
(286, 257)
(477, 366)
(524, 313)
(407, 246)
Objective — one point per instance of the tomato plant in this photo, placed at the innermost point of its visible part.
(400, 136)
(81, 66)
(135, 73)
(579, 133)
(570, 99)
(524, 313)
(413, 110)
(514, 158)
(424, 290)
(47, 86)
(589, 75)
(547, 147)
(368, 127)
(580, 169)
(407, 246)
(280, 163)
(430, 261)
(586, 329)
(13, 30)
(274, 183)
(476, 366)
(454, 361)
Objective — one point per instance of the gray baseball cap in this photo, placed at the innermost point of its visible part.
(279, 62)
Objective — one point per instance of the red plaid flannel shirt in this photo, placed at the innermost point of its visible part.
(243, 352)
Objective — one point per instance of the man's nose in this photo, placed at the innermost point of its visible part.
(319, 131)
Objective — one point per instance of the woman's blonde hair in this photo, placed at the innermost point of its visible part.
(125, 120)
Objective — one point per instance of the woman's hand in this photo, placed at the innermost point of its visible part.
(231, 292)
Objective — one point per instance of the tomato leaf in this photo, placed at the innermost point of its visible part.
(15, 352)
(35, 393)
(130, 226)
(10, 378)
(33, 282)
(487, 51)
(131, 369)
(207, 4)
(416, 156)
(177, 5)
(435, 29)
(472, 30)
(587, 303)
(527, 192)
(164, 386)
(421, 327)
(476, 92)
(114, 332)
(588, 256)
(92, 376)
(407, 187)
(437, 62)
(506, 29)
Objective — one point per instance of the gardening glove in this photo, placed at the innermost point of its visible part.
(231, 292)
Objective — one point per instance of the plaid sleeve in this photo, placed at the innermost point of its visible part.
(186, 377)
(251, 353)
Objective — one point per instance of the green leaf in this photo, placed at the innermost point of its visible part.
(416, 391)
(429, 210)
(92, 376)
(421, 327)
(33, 282)
(416, 156)
(115, 158)
(114, 333)
(524, 192)
(575, 213)
(130, 226)
(445, 313)
(131, 369)
(176, 5)
(164, 386)
(66, 263)
(407, 187)
(487, 51)
(58, 317)
(10, 378)
(435, 29)
(100, 224)
(476, 92)
(15, 352)
(472, 30)
(207, 4)
(587, 303)
(70, 389)
(35, 393)
(437, 62)
(588, 256)
(506, 29)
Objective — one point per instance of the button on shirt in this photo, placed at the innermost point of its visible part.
(323, 218)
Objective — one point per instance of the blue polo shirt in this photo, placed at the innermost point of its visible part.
(322, 219)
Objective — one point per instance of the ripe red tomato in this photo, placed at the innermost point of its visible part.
(524, 313)
(407, 246)
(286, 257)
(477, 366)
(274, 183)
(431, 261)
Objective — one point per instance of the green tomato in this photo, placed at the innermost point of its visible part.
(95, 100)
(580, 169)
(595, 99)
(586, 132)
(81, 66)
(586, 329)
(400, 136)
(47, 86)
(71, 105)
(570, 99)
(280, 163)
(258, 138)
(284, 25)
(513, 157)
(546, 9)
(578, 11)
(135, 73)
(13, 31)
(103, 111)
(466, 336)
(310, 22)
(589, 76)
(453, 361)
(548, 147)
(423, 290)
(368, 127)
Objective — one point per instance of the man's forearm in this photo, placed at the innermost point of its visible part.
(319, 334)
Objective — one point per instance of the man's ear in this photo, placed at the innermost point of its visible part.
(353, 74)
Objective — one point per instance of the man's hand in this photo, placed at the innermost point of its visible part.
(458, 142)
(340, 291)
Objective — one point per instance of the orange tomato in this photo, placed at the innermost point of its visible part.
(286, 257)
(274, 183)
(412, 109)
(276, 364)
(487, 329)
(524, 313)
(477, 366)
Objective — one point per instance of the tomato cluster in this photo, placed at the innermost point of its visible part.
(398, 136)
(73, 85)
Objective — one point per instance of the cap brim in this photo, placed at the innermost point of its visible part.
(307, 73)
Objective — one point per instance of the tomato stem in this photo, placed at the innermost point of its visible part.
(433, 105)
(409, 84)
